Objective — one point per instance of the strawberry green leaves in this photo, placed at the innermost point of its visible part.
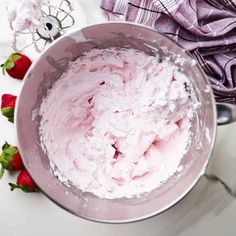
(10, 62)
(8, 106)
(6, 156)
(10, 159)
(24, 187)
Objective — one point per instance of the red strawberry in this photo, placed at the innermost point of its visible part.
(16, 65)
(25, 182)
(8, 106)
(10, 159)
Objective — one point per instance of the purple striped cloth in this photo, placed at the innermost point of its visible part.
(206, 28)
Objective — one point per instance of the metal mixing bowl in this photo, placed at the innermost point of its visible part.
(49, 67)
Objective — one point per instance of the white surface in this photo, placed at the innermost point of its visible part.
(206, 210)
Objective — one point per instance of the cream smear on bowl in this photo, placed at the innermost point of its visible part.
(117, 123)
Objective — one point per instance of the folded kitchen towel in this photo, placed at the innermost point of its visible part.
(207, 28)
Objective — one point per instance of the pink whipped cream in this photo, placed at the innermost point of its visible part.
(119, 122)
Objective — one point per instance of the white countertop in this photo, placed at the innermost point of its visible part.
(207, 210)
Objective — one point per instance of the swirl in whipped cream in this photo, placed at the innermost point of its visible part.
(119, 122)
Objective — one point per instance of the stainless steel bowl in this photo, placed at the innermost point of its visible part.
(48, 68)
